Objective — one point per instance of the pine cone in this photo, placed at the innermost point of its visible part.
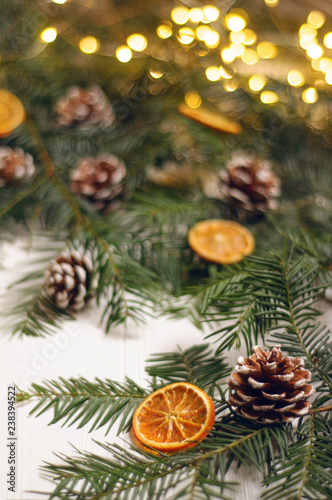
(99, 179)
(68, 280)
(249, 183)
(83, 108)
(15, 165)
(270, 388)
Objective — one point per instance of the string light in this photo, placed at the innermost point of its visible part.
(267, 50)
(156, 73)
(49, 35)
(211, 13)
(306, 42)
(307, 31)
(164, 31)
(249, 57)
(238, 49)
(235, 22)
(310, 95)
(89, 45)
(137, 42)
(328, 77)
(230, 86)
(227, 55)
(316, 19)
(315, 63)
(180, 15)
(123, 53)
(193, 100)
(328, 40)
(295, 78)
(212, 39)
(271, 3)
(60, 2)
(224, 73)
(195, 15)
(325, 64)
(250, 37)
(186, 36)
(315, 51)
(237, 37)
(269, 97)
(257, 82)
(212, 73)
(201, 31)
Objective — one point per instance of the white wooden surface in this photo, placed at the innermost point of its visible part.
(81, 348)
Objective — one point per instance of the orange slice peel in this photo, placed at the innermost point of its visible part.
(221, 241)
(12, 113)
(173, 418)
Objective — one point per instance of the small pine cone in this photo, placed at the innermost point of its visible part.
(99, 179)
(249, 183)
(270, 388)
(83, 108)
(68, 280)
(15, 165)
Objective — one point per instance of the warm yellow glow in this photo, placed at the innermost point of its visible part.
(295, 78)
(211, 13)
(257, 82)
(315, 63)
(310, 95)
(271, 3)
(89, 45)
(269, 97)
(193, 100)
(316, 19)
(224, 73)
(212, 39)
(234, 22)
(195, 15)
(237, 37)
(249, 57)
(267, 50)
(307, 31)
(60, 2)
(212, 73)
(201, 31)
(164, 31)
(186, 35)
(238, 49)
(325, 64)
(230, 86)
(314, 51)
(306, 42)
(156, 73)
(250, 37)
(49, 35)
(137, 42)
(328, 77)
(328, 40)
(180, 15)
(227, 55)
(123, 53)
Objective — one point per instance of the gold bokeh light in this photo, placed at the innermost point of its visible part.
(269, 97)
(316, 19)
(235, 22)
(295, 78)
(193, 100)
(267, 50)
(89, 45)
(137, 42)
(123, 53)
(180, 15)
(257, 82)
(310, 95)
(164, 31)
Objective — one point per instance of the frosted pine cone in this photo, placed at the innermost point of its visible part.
(84, 108)
(99, 179)
(68, 280)
(250, 183)
(270, 388)
(15, 165)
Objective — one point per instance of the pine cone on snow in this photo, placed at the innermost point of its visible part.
(99, 179)
(249, 183)
(270, 388)
(68, 280)
(15, 165)
(83, 108)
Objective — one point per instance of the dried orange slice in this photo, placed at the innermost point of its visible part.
(174, 417)
(221, 241)
(12, 113)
